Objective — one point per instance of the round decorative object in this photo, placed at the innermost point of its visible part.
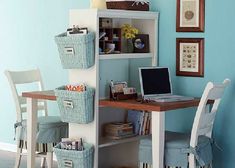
(189, 15)
(138, 43)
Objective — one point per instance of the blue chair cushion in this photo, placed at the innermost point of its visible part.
(177, 148)
(50, 129)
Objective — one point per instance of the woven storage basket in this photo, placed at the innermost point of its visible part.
(75, 107)
(75, 159)
(128, 4)
(76, 51)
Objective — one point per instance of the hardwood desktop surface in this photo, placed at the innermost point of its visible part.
(44, 95)
(125, 104)
(150, 106)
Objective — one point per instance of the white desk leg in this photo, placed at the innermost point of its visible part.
(158, 139)
(31, 131)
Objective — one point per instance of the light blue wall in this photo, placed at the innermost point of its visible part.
(219, 64)
(27, 28)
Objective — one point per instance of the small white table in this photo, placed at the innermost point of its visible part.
(158, 121)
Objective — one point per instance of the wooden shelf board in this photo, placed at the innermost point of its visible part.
(125, 56)
(106, 142)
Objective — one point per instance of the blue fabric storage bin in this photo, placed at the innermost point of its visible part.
(76, 51)
(73, 158)
(75, 107)
(177, 148)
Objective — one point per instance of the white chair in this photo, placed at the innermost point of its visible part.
(195, 149)
(52, 124)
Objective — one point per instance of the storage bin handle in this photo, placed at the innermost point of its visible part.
(68, 103)
(68, 163)
(69, 50)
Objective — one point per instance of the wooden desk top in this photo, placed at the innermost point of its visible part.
(125, 104)
(150, 106)
(43, 95)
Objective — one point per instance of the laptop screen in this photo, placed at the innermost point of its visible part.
(155, 81)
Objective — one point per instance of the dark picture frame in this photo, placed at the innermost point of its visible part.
(190, 16)
(141, 43)
(190, 57)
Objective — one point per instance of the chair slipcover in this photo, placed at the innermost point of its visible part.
(177, 148)
(50, 130)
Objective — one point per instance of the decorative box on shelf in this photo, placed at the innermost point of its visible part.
(139, 5)
(122, 96)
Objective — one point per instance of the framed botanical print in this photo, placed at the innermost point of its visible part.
(190, 57)
(190, 16)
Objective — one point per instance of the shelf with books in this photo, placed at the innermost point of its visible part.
(107, 142)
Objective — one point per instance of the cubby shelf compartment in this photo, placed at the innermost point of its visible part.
(125, 56)
(106, 142)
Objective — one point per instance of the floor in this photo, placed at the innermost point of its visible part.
(7, 160)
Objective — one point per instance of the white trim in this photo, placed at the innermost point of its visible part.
(12, 148)
(7, 147)
(125, 56)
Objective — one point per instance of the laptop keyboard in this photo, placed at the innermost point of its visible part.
(170, 98)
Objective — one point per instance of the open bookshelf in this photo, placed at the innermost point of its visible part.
(117, 67)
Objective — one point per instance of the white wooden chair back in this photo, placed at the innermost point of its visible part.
(25, 77)
(205, 115)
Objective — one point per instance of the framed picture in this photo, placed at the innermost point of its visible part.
(190, 57)
(141, 43)
(190, 16)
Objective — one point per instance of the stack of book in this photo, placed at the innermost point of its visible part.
(119, 130)
(141, 122)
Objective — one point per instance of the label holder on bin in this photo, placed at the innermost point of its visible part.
(68, 163)
(68, 104)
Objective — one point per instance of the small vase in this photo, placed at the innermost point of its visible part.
(129, 46)
(98, 4)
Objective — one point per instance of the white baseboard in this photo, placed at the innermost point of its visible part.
(12, 148)
(7, 147)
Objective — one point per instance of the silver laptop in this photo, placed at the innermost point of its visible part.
(156, 85)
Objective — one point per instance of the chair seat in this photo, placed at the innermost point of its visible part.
(50, 129)
(177, 148)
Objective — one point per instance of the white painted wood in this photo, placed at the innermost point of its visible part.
(43, 162)
(158, 139)
(127, 14)
(91, 76)
(16, 78)
(49, 159)
(106, 142)
(18, 157)
(23, 77)
(8, 147)
(31, 131)
(205, 116)
(125, 56)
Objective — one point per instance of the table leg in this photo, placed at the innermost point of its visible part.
(158, 139)
(31, 131)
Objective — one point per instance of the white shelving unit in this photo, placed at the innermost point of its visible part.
(106, 142)
(119, 67)
(125, 56)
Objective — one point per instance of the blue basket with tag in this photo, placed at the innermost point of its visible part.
(76, 107)
(76, 51)
(73, 158)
